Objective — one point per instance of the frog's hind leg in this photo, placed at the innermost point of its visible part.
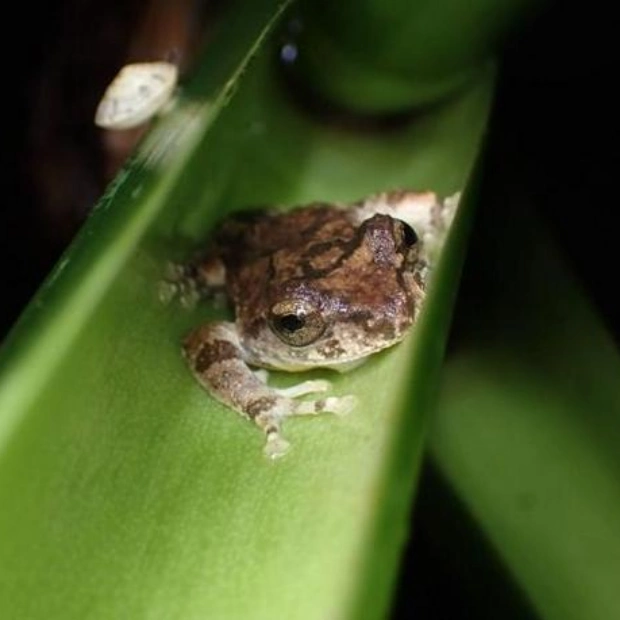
(193, 281)
(218, 363)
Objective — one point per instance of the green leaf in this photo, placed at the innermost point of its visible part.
(528, 425)
(386, 57)
(126, 491)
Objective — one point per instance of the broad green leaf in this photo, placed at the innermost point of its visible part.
(527, 430)
(126, 491)
(386, 57)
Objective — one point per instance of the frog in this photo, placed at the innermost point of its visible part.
(324, 285)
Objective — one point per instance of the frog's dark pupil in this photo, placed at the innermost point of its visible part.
(290, 323)
(409, 235)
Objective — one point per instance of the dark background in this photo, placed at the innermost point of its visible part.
(555, 120)
(554, 133)
(553, 139)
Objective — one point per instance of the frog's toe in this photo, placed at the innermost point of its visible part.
(342, 405)
(306, 387)
(450, 205)
(173, 271)
(166, 291)
(189, 297)
(276, 446)
(338, 405)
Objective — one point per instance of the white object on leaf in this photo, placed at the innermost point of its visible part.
(136, 94)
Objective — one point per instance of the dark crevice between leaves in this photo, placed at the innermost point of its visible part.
(457, 573)
(552, 133)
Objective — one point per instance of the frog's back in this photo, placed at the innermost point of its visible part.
(250, 235)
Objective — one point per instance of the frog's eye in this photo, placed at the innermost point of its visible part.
(297, 323)
(408, 235)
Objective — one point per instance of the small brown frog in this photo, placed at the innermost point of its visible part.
(321, 286)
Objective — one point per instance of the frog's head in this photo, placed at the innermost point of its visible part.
(363, 300)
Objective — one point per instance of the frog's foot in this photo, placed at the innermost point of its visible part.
(216, 358)
(167, 291)
(179, 281)
(446, 210)
(276, 446)
(442, 214)
(191, 282)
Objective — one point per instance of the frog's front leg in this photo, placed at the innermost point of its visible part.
(299, 389)
(218, 362)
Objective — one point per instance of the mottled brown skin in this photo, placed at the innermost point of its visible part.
(361, 277)
(319, 286)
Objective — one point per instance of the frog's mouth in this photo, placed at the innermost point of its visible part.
(341, 349)
(291, 365)
(349, 365)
